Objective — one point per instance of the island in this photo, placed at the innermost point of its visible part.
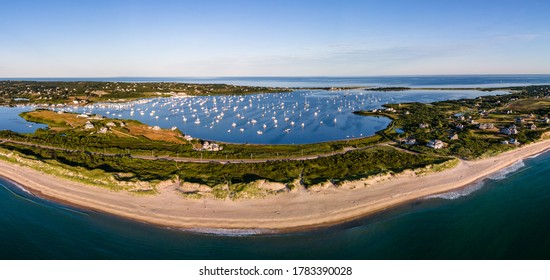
(165, 177)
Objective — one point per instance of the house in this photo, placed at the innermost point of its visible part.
(532, 127)
(512, 130)
(435, 144)
(96, 117)
(505, 142)
(486, 126)
(520, 120)
(103, 130)
(88, 125)
(111, 124)
(156, 127)
(453, 136)
(460, 126)
(188, 137)
(423, 125)
(409, 141)
(206, 146)
(513, 141)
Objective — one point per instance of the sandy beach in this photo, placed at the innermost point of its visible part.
(289, 211)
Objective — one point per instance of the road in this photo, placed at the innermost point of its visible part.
(198, 160)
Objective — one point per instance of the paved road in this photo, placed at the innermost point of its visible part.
(198, 160)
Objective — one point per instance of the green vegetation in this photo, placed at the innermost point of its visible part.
(477, 123)
(350, 166)
(129, 155)
(67, 131)
(25, 92)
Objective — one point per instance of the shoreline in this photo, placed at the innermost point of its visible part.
(298, 210)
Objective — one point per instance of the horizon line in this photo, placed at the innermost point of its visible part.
(274, 76)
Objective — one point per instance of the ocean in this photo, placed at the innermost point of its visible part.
(506, 216)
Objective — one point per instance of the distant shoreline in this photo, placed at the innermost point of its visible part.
(297, 210)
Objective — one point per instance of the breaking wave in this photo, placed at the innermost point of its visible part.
(459, 193)
(501, 174)
(230, 232)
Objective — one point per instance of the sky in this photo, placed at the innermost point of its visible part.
(117, 38)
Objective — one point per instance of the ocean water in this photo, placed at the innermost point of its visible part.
(506, 217)
(429, 81)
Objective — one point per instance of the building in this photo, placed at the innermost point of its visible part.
(513, 141)
(409, 141)
(206, 146)
(423, 125)
(453, 136)
(512, 130)
(532, 127)
(89, 125)
(486, 126)
(435, 144)
(520, 120)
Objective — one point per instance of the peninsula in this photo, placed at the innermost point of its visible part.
(163, 176)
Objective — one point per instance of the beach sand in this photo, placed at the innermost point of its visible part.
(295, 210)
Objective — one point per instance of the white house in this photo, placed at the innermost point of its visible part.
(88, 125)
(435, 144)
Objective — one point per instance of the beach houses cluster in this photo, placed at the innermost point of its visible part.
(102, 130)
(511, 130)
(212, 147)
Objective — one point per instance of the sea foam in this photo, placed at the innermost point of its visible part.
(501, 174)
(229, 232)
(459, 193)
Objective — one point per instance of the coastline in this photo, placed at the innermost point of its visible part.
(293, 211)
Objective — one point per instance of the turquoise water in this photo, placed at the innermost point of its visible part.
(507, 217)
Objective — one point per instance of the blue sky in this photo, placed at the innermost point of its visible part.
(272, 38)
